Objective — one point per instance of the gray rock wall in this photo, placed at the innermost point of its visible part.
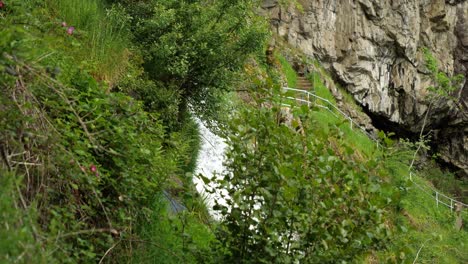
(373, 47)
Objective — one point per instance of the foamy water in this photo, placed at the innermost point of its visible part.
(210, 164)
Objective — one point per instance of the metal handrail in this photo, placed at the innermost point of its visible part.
(437, 195)
(351, 121)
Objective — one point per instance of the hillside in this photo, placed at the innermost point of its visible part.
(105, 111)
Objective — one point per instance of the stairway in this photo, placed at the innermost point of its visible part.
(303, 83)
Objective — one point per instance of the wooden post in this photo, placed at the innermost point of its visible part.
(458, 216)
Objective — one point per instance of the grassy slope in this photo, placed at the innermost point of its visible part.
(104, 31)
(101, 46)
(168, 236)
(172, 238)
(430, 227)
(289, 72)
(419, 222)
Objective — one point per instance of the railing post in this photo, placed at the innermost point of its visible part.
(308, 100)
(437, 199)
(451, 204)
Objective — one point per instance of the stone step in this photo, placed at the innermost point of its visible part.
(303, 83)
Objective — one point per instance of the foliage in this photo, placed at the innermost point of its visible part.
(420, 224)
(296, 196)
(196, 46)
(445, 85)
(159, 99)
(414, 220)
(294, 3)
(16, 233)
(100, 148)
(96, 140)
(174, 238)
(445, 181)
(83, 155)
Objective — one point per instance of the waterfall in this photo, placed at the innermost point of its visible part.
(210, 164)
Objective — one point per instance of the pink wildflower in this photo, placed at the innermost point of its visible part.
(2, 5)
(64, 24)
(93, 168)
(70, 30)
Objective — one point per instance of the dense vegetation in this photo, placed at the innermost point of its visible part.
(421, 230)
(98, 145)
(95, 121)
(298, 196)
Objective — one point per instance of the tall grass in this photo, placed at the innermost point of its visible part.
(103, 30)
(190, 131)
(421, 225)
(319, 88)
(446, 182)
(362, 143)
(17, 228)
(289, 72)
(332, 117)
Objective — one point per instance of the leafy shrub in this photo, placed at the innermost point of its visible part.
(158, 99)
(445, 85)
(296, 196)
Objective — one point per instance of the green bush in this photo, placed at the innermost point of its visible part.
(297, 197)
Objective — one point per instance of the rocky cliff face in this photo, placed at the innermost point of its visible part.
(373, 48)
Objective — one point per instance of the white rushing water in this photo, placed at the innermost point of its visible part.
(210, 164)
